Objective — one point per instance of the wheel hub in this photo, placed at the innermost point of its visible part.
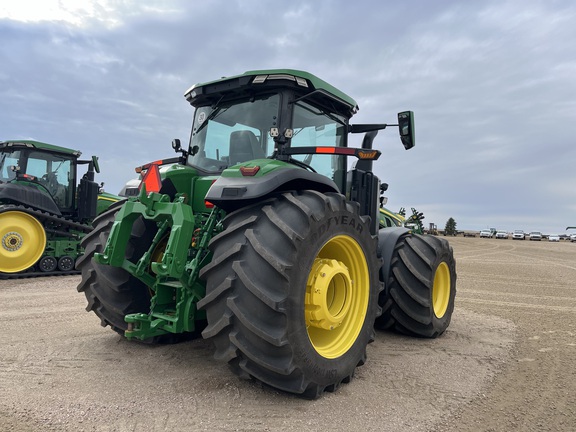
(441, 290)
(329, 287)
(22, 240)
(12, 241)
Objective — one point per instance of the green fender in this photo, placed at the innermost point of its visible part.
(254, 181)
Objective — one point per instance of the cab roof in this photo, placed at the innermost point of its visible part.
(40, 146)
(302, 80)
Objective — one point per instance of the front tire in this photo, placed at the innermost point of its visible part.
(113, 293)
(292, 290)
(421, 287)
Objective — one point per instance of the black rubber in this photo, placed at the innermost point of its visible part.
(407, 298)
(65, 263)
(47, 264)
(113, 293)
(256, 287)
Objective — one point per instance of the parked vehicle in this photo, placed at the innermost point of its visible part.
(501, 234)
(535, 235)
(261, 238)
(519, 235)
(46, 207)
(554, 238)
(486, 233)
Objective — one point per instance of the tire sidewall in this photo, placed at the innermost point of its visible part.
(332, 224)
(444, 255)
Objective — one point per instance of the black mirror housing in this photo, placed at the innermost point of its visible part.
(176, 145)
(95, 164)
(406, 128)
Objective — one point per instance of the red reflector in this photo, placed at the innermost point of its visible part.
(346, 151)
(208, 204)
(326, 149)
(152, 179)
(249, 171)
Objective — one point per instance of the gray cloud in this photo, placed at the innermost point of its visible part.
(491, 84)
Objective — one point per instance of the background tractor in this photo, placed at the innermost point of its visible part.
(262, 239)
(43, 213)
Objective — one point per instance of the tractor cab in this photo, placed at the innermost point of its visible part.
(44, 176)
(30, 169)
(287, 115)
(44, 209)
(256, 122)
(51, 173)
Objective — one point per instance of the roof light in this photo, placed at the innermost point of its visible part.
(301, 82)
(259, 79)
(282, 76)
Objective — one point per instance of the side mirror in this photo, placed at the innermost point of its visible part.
(406, 127)
(176, 145)
(95, 164)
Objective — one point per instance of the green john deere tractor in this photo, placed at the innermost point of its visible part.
(264, 241)
(43, 214)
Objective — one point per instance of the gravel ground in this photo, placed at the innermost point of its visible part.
(506, 363)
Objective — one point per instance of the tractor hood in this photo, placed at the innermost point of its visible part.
(26, 195)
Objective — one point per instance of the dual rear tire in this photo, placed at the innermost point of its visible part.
(420, 287)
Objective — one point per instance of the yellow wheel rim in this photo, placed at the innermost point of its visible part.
(441, 290)
(22, 241)
(337, 296)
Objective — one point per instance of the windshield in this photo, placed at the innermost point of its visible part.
(233, 133)
(53, 171)
(313, 127)
(8, 163)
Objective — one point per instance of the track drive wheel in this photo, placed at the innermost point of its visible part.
(65, 263)
(421, 287)
(291, 291)
(22, 241)
(112, 292)
(47, 264)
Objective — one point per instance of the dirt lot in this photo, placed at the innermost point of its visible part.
(507, 363)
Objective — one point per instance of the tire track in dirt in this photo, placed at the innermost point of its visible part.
(534, 285)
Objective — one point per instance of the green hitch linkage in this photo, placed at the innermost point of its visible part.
(173, 306)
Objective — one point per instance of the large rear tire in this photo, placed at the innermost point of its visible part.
(112, 292)
(421, 288)
(292, 291)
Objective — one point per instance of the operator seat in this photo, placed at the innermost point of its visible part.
(57, 190)
(244, 146)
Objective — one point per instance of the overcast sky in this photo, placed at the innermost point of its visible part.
(492, 85)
